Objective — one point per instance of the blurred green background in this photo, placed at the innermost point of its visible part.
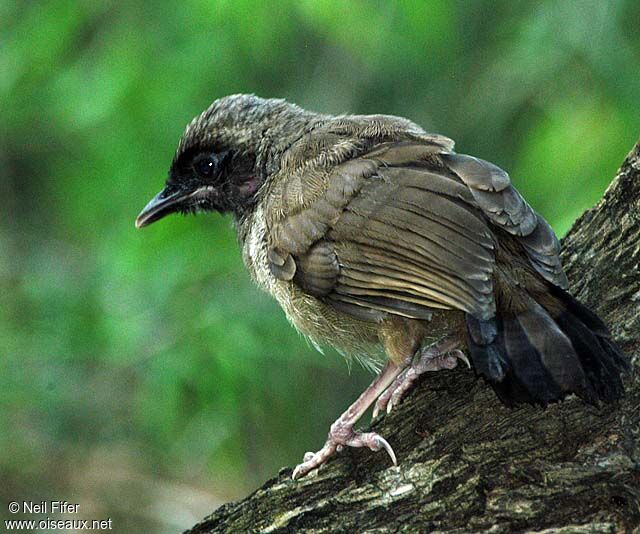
(142, 376)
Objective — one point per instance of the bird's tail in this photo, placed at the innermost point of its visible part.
(545, 352)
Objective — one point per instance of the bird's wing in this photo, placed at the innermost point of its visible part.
(407, 229)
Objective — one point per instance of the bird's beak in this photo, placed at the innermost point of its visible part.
(164, 203)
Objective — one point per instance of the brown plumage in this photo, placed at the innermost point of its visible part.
(377, 238)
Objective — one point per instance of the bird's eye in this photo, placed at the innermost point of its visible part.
(205, 166)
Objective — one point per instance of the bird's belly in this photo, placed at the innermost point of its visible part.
(324, 325)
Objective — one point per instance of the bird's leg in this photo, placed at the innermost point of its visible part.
(342, 433)
(441, 355)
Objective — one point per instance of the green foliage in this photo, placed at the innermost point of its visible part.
(131, 355)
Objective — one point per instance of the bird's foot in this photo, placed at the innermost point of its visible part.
(443, 355)
(342, 435)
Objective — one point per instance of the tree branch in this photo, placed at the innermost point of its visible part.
(467, 463)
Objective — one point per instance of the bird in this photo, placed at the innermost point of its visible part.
(377, 238)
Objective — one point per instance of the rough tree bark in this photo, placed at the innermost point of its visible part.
(467, 463)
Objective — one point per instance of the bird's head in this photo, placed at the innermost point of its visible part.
(221, 158)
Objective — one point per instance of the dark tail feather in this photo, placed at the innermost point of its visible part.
(540, 356)
(601, 358)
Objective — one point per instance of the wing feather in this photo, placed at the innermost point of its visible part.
(408, 229)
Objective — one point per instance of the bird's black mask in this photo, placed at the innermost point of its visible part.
(203, 179)
(214, 168)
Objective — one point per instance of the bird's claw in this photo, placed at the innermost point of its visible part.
(313, 460)
(335, 443)
(376, 442)
(462, 356)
